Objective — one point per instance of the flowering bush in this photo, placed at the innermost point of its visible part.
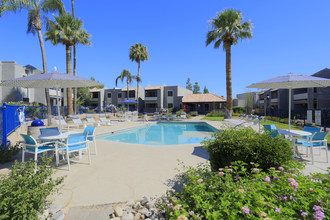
(247, 145)
(237, 193)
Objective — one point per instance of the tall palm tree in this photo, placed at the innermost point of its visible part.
(37, 11)
(129, 79)
(67, 30)
(227, 28)
(138, 53)
(74, 65)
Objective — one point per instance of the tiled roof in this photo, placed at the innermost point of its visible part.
(153, 87)
(129, 88)
(95, 90)
(203, 98)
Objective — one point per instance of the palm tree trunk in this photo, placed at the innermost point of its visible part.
(127, 95)
(69, 71)
(137, 89)
(74, 67)
(44, 65)
(228, 81)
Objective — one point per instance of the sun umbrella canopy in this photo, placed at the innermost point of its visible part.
(292, 81)
(128, 101)
(52, 79)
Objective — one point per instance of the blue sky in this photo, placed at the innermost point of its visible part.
(288, 36)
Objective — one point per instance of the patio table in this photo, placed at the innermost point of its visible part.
(294, 135)
(55, 137)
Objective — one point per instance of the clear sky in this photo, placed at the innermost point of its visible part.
(288, 36)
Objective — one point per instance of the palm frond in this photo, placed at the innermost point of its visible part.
(138, 53)
(228, 27)
(49, 6)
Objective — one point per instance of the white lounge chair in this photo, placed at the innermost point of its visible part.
(91, 120)
(76, 120)
(64, 124)
(104, 120)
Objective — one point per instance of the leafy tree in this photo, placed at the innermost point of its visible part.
(196, 88)
(129, 79)
(249, 102)
(37, 11)
(68, 31)
(188, 84)
(83, 96)
(206, 90)
(227, 28)
(98, 87)
(138, 53)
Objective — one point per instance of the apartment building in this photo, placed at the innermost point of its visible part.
(12, 70)
(241, 99)
(116, 95)
(159, 97)
(276, 101)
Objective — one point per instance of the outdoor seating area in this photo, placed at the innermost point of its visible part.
(310, 138)
(66, 142)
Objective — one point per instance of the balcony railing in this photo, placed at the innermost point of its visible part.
(300, 96)
(274, 100)
(151, 98)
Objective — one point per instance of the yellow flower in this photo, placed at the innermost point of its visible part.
(182, 217)
(267, 218)
(241, 190)
(262, 214)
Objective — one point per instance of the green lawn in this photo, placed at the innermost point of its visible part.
(213, 118)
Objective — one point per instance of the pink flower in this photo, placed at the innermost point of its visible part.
(245, 209)
(230, 170)
(200, 180)
(255, 170)
(262, 214)
(220, 169)
(178, 207)
(304, 214)
(241, 190)
(237, 177)
(276, 178)
(277, 210)
(170, 205)
(267, 179)
(294, 185)
(221, 173)
(291, 180)
(280, 168)
(292, 170)
(191, 212)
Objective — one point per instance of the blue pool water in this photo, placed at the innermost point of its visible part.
(164, 133)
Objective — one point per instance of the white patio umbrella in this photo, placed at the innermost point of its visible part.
(52, 79)
(291, 81)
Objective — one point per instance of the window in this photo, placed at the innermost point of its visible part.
(151, 93)
(131, 94)
(109, 95)
(169, 93)
(119, 95)
(151, 105)
(170, 105)
(315, 89)
(95, 95)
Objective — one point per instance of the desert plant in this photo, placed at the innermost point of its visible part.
(8, 152)
(24, 191)
(248, 146)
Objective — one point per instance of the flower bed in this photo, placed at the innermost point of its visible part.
(237, 193)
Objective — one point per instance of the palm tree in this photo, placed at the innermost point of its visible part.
(129, 79)
(74, 66)
(138, 53)
(37, 11)
(68, 31)
(228, 28)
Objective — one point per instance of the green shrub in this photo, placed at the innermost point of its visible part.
(239, 192)
(24, 191)
(7, 153)
(216, 113)
(178, 113)
(194, 114)
(239, 109)
(247, 145)
(188, 116)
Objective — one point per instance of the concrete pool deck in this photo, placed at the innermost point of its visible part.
(122, 171)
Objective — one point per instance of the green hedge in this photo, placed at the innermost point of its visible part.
(216, 113)
(248, 146)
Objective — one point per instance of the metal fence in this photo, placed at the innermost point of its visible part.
(9, 121)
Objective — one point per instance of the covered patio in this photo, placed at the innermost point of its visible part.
(203, 103)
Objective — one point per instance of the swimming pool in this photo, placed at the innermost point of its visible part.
(164, 133)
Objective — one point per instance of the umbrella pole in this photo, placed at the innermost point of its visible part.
(58, 109)
(290, 108)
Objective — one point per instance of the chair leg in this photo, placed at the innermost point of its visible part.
(306, 151)
(95, 146)
(327, 152)
(89, 154)
(311, 146)
(23, 153)
(67, 157)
